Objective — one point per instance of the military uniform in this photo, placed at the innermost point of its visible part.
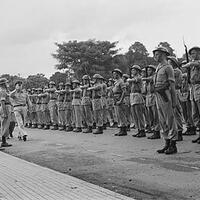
(68, 107)
(5, 112)
(61, 107)
(104, 104)
(20, 102)
(76, 104)
(40, 119)
(137, 102)
(119, 90)
(87, 105)
(97, 104)
(32, 110)
(52, 105)
(45, 110)
(164, 76)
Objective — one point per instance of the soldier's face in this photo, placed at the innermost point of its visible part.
(18, 86)
(133, 72)
(194, 54)
(157, 56)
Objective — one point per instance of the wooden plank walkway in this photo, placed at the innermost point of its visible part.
(22, 180)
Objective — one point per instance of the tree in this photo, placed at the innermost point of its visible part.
(86, 57)
(36, 81)
(59, 77)
(137, 54)
(168, 46)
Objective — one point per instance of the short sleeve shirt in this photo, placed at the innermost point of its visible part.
(164, 74)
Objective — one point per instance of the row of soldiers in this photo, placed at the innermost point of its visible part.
(158, 100)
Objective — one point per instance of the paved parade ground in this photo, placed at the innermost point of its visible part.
(125, 165)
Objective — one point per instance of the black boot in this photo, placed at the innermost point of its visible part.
(98, 131)
(141, 134)
(156, 135)
(190, 131)
(196, 140)
(69, 128)
(180, 137)
(172, 148)
(55, 127)
(122, 131)
(61, 128)
(25, 138)
(4, 143)
(88, 130)
(77, 130)
(167, 143)
(104, 126)
(128, 128)
(136, 133)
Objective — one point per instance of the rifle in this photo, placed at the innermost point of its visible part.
(187, 60)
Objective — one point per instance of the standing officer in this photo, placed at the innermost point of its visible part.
(5, 112)
(87, 104)
(119, 91)
(194, 67)
(52, 105)
(178, 82)
(96, 103)
(151, 102)
(20, 102)
(76, 104)
(137, 100)
(33, 114)
(68, 107)
(166, 99)
(60, 104)
(40, 119)
(45, 109)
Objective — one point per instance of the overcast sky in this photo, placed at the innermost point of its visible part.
(29, 28)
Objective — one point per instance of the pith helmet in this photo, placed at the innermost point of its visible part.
(137, 67)
(97, 76)
(52, 83)
(118, 71)
(174, 60)
(162, 49)
(194, 48)
(86, 77)
(76, 81)
(3, 81)
(152, 67)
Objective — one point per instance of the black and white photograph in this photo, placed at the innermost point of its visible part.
(99, 100)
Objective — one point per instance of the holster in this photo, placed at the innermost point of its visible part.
(162, 93)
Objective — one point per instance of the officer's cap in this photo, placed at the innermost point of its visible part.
(162, 49)
(174, 60)
(117, 71)
(194, 48)
(137, 67)
(3, 81)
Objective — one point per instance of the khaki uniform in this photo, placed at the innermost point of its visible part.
(127, 103)
(32, 110)
(76, 104)
(45, 109)
(178, 110)
(68, 109)
(20, 100)
(137, 102)
(53, 106)
(40, 119)
(87, 107)
(104, 103)
(151, 106)
(118, 89)
(164, 74)
(61, 107)
(5, 121)
(97, 104)
(110, 102)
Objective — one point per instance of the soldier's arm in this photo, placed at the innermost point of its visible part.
(148, 79)
(171, 79)
(97, 87)
(12, 94)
